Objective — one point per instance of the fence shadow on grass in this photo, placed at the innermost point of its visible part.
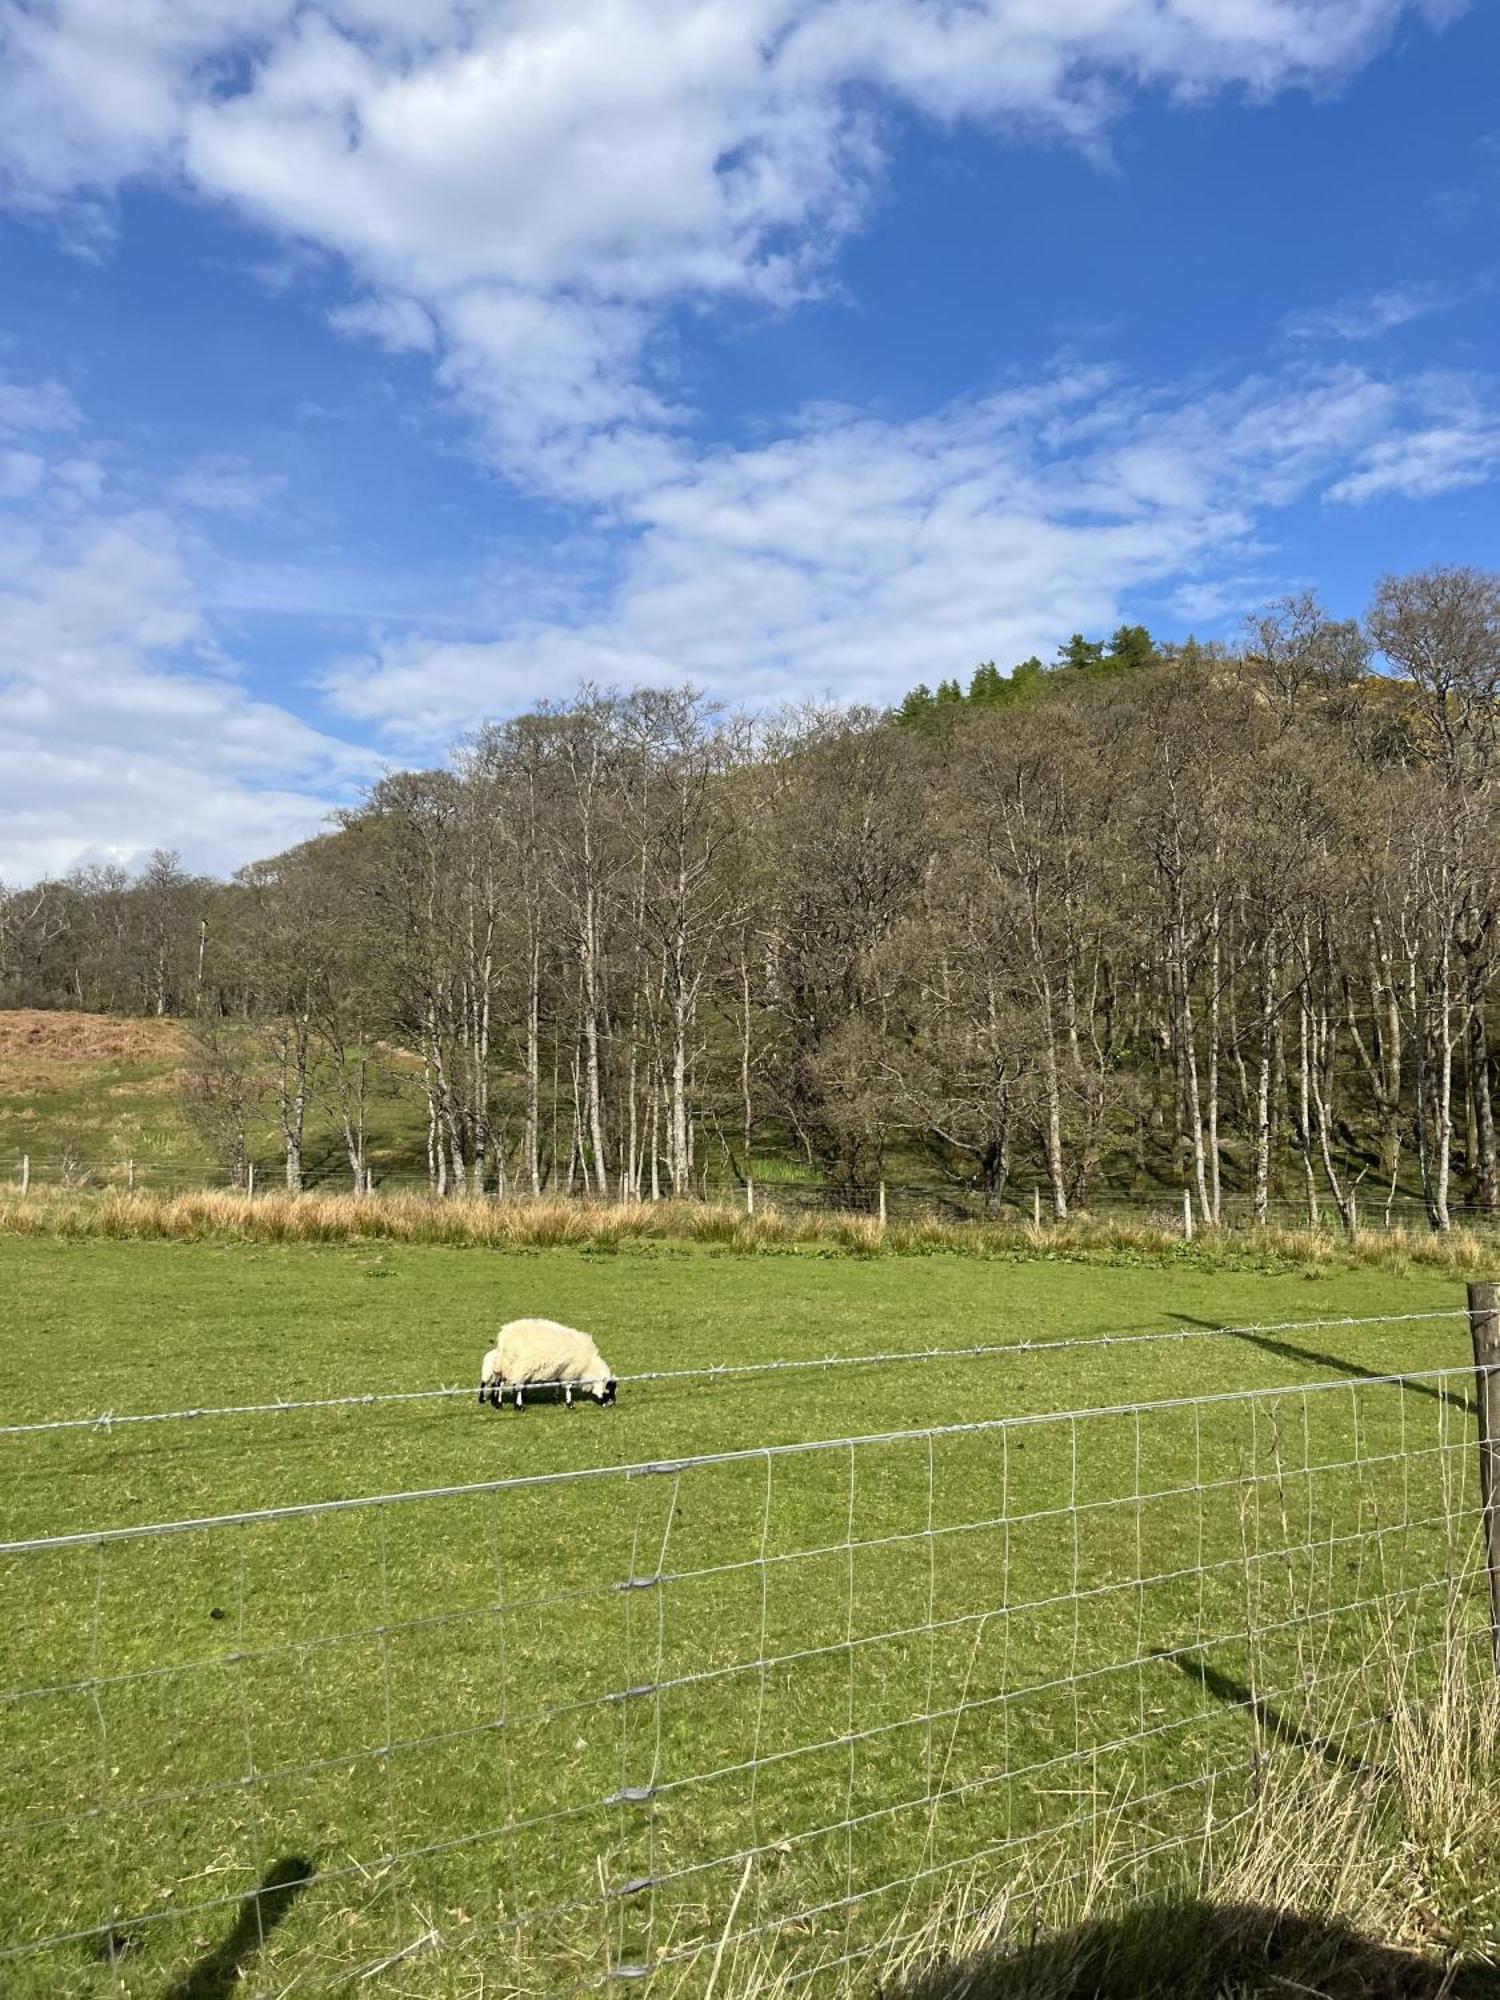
(220, 1972)
(1202, 1951)
(1286, 1350)
(1235, 1694)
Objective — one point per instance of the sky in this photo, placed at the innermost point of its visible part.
(373, 368)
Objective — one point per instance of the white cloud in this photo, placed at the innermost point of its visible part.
(224, 484)
(399, 325)
(543, 182)
(1444, 437)
(1420, 464)
(858, 557)
(122, 725)
(36, 406)
(1367, 318)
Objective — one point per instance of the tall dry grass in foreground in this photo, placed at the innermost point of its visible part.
(538, 1224)
(1345, 1875)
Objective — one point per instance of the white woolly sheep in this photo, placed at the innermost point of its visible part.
(539, 1351)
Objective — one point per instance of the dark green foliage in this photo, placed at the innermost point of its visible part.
(1079, 661)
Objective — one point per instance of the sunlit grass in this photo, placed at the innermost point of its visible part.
(480, 1635)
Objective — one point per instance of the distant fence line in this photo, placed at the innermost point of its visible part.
(584, 1727)
(897, 1198)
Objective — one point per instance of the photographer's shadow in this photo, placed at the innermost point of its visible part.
(1199, 1950)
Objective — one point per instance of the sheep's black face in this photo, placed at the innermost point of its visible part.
(607, 1394)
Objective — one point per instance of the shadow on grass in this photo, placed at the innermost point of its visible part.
(1235, 1694)
(1286, 1350)
(1203, 1951)
(221, 1972)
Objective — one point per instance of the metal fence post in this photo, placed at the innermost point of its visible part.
(1484, 1327)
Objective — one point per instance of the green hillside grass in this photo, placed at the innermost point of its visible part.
(998, 1631)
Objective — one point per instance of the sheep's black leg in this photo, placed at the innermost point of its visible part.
(485, 1394)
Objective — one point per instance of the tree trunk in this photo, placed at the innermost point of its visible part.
(1215, 1193)
(531, 1140)
(1262, 1175)
(593, 1085)
(1487, 1175)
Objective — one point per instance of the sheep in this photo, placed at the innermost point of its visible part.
(540, 1351)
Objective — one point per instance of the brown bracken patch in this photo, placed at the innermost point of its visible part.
(30, 1035)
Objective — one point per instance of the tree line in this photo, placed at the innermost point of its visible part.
(1216, 915)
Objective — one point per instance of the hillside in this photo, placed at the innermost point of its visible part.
(82, 1093)
(93, 1099)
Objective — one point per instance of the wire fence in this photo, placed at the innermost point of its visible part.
(900, 1357)
(588, 1728)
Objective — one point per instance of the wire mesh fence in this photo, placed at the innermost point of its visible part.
(587, 1728)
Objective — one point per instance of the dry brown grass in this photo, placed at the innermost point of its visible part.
(321, 1217)
(29, 1033)
(42, 1052)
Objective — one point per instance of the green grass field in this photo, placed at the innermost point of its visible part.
(858, 1667)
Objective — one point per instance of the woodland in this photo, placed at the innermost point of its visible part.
(1217, 917)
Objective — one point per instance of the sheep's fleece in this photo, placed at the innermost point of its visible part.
(543, 1351)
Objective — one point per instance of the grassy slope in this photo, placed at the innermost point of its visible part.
(82, 1093)
(97, 1325)
(90, 1088)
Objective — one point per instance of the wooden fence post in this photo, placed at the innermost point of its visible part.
(882, 1204)
(1187, 1214)
(1036, 1208)
(250, 1181)
(25, 1173)
(1484, 1328)
(130, 1173)
(749, 1194)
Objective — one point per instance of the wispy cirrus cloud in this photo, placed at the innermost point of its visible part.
(858, 556)
(37, 406)
(1367, 318)
(225, 484)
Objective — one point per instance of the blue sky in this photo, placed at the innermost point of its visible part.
(367, 369)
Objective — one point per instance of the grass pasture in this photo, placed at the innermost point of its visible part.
(814, 1688)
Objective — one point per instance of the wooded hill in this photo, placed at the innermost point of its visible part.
(1223, 916)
